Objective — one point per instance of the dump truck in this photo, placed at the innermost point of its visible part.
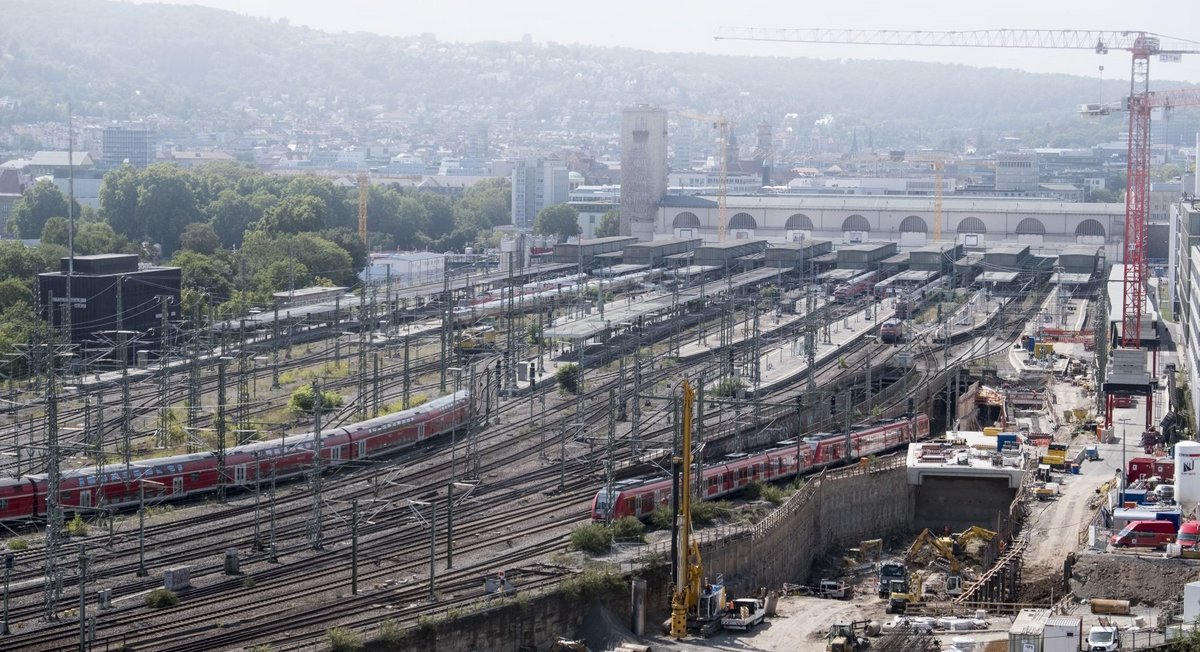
(745, 614)
(888, 571)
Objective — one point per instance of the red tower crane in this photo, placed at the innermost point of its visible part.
(1141, 45)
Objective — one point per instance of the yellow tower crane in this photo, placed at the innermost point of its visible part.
(721, 124)
(364, 190)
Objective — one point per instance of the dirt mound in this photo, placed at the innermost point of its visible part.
(1141, 580)
(1042, 590)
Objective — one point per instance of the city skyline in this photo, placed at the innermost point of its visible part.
(689, 27)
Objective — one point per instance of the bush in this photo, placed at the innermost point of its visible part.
(662, 518)
(161, 599)
(592, 584)
(568, 378)
(753, 491)
(391, 633)
(592, 538)
(302, 402)
(342, 639)
(773, 494)
(705, 512)
(17, 544)
(727, 388)
(77, 527)
(628, 528)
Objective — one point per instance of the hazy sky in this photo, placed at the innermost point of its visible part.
(675, 25)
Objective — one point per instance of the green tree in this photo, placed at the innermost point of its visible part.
(97, 238)
(54, 231)
(559, 220)
(14, 291)
(294, 214)
(38, 204)
(231, 213)
(303, 400)
(204, 272)
(154, 204)
(487, 203)
(1105, 195)
(610, 224)
(199, 237)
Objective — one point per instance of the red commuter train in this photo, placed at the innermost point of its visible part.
(170, 478)
(640, 497)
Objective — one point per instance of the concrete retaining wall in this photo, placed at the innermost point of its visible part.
(958, 503)
(837, 508)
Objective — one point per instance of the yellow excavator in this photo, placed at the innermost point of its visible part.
(948, 548)
(695, 603)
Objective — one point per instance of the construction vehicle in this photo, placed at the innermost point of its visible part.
(476, 339)
(948, 548)
(905, 593)
(745, 614)
(1056, 457)
(871, 548)
(889, 571)
(847, 637)
(695, 604)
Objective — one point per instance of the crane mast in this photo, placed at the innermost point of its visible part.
(688, 572)
(721, 124)
(1141, 45)
(364, 190)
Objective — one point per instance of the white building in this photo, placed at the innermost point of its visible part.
(973, 222)
(404, 269)
(537, 184)
(593, 202)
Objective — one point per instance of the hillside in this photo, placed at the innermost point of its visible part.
(116, 60)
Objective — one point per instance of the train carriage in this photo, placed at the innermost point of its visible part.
(640, 497)
(21, 498)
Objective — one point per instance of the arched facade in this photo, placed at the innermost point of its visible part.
(1090, 228)
(972, 225)
(913, 224)
(856, 223)
(1089, 232)
(1031, 226)
(686, 220)
(799, 222)
(742, 221)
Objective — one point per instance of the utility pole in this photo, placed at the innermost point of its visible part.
(242, 422)
(220, 429)
(54, 515)
(635, 422)
(375, 384)
(447, 328)
(354, 543)
(164, 363)
(473, 456)
(407, 378)
(126, 412)
(314, 532)
(193, 406)
(610, 457)
(83, 571)
(364, 329)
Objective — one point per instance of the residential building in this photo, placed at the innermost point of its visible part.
(58, 164)
(122, 145)
(537, 184)
(593, 202)
(1184, 283)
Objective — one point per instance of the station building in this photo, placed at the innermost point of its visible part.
(972, 222)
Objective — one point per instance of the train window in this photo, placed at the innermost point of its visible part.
(3, 504)
(195, 477)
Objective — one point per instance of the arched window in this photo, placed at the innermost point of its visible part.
(913, 224)
(856, 223)
(742, 221)
(1090, 227)
(1031, 226)
(798, 222)
(686, 220)
(972, 225)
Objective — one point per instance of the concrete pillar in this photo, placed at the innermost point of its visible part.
(637, 601)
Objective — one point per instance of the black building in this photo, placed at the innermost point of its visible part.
(94, 298)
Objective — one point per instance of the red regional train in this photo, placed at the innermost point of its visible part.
(855, 287)
(640, 497)
(170, 478)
